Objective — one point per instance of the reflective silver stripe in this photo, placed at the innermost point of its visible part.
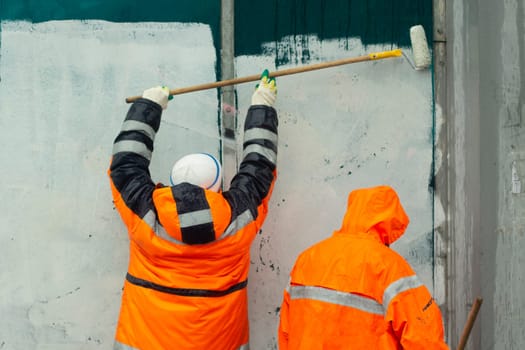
(265, 152)
(238, 224)
(119, 346)
(151, 220)
(336, 297)
(288, 286)
(133, 125)
(193, 218)
(399, 286)
(161, 232)
(132, 146)
(260, 133)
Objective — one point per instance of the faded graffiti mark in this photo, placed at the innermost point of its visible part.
(68, 293)
(265, 252)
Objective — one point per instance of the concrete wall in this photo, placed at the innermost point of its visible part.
(64, 251)
(341, 129)
(62, 89)
(486, 63)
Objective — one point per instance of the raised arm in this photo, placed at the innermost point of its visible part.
(252, 185)
(130, 179)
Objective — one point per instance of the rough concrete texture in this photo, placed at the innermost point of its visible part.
(62, 102)
(486, 106)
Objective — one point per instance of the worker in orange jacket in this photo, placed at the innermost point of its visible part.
(351, 291)
(189, 242)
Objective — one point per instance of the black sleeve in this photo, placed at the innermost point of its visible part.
(257, 171)
(132, 150)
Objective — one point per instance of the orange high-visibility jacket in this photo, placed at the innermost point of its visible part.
(351, 291)
(189, 247)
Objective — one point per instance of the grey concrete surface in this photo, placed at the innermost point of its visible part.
(485, 110)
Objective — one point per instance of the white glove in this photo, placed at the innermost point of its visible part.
(158, 94)
(266, 91)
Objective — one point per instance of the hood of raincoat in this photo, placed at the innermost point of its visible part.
(377, 211)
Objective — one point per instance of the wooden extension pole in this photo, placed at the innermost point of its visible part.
(470, 323)
(295, 70)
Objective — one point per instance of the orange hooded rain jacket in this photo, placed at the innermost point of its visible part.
(189, 247)
(351, 291)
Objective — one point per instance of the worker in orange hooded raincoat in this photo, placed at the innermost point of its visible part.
(186, 284)
(351, 291)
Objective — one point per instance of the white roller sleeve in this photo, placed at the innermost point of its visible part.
(420, 48)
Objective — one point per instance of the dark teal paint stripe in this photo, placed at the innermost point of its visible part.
(256, 22)
(201, 11)
(374, 21)
(184, 11)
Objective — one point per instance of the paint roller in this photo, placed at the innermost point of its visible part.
(420, 52)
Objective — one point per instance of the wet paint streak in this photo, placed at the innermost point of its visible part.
(185, 11)
(120, 11)
(288, 22)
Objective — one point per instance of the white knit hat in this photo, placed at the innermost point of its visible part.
(200, 169)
